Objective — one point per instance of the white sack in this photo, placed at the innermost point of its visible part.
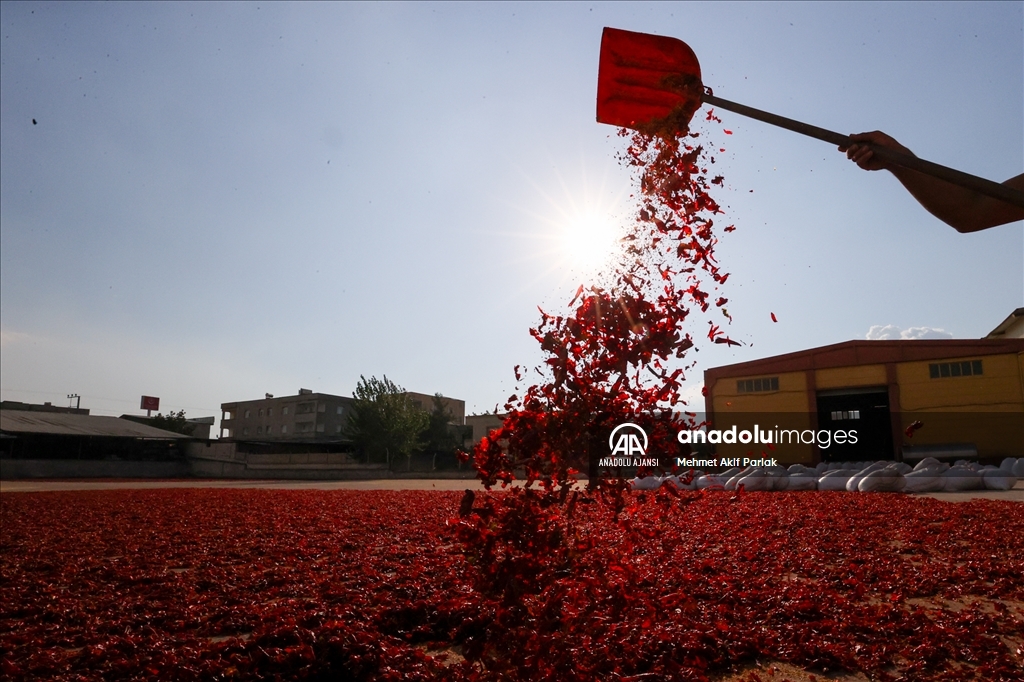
(803, 482)
(882, 481)
(755, 480)
(835, 479)
(924, 481)
(710, 481)
(961, 478)
(646, 483)
(854, 482)
(997, 479)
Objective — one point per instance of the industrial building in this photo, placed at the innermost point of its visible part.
(38, 442)
(307, 416)
(903, 399)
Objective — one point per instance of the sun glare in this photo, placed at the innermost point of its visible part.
(576, 229)
(588, 241)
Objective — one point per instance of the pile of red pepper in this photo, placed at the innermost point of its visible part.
(263, 584)
(618, 355)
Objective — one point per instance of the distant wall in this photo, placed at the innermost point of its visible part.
(72, 468)
(213, 459)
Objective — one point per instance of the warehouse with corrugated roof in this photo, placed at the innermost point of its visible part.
(37, 443)
(903, 399)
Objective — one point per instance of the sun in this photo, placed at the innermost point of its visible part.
(588, 240)
(574, 229)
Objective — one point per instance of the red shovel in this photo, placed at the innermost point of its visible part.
(652, 83)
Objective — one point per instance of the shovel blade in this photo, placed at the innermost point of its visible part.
(631, 80)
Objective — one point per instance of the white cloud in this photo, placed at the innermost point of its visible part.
(890, 332)
(880, 332)
(925, 333)
(7, 338)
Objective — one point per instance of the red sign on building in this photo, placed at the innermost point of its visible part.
(150, 403)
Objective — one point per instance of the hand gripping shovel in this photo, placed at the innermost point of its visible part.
(652, 84)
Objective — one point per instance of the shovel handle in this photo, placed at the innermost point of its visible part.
(981, 185)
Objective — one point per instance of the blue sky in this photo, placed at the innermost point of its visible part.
(224, 200)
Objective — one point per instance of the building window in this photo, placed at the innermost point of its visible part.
(757, 385)
(269, 429)
(248, 413)
(321, 407)
(284, 410)
(270, 411)
(245, 431)
(259, 430)
(284, 428)
(842, 415)
(339, 409)
(337, 429)
(261, 412)
(319, 428)
(228, 414)
(966, 368)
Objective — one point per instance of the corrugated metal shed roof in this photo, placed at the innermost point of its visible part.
(19, 421)
(863, 352)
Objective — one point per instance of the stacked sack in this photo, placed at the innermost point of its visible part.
(928, 475)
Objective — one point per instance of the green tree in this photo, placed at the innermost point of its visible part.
(173, 421)
(383, 423)
(441, 436)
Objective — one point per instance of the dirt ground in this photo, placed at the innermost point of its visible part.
(42, 485)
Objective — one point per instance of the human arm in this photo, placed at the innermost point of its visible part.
(963, 209)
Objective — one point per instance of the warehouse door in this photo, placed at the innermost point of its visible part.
(861, 410)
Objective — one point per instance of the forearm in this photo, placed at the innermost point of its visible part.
(956, 206)
(963, 209)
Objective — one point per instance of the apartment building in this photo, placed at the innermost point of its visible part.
(456, 407)
(481, 425)
(306, 416)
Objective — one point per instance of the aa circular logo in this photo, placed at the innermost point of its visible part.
(628, 440)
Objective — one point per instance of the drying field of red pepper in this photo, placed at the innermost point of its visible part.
(353, 585)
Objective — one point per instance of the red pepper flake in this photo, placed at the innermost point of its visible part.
(914, 426)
